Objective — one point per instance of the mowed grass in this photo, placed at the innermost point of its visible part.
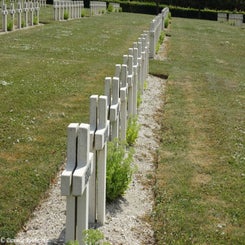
(200, 176)
(47, 74)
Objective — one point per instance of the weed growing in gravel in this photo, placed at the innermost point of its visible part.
(132, 130)
(10, 26)
(35, 21)
(119, 169)
(72, 243)
(110, 8)
(160, 41)
(66, 15)
(93, 237)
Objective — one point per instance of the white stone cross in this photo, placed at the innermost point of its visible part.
(12, 13)
(99, 134)
(101, 138)
(130, 83)
(26, 10)
(5, 17)
(135, 78)
(66, 181)
(93, 180)
(31, 9)
(75, 179)
(112, 93)
(19, 11)
(81, 175)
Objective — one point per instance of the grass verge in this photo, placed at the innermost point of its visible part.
(47, 74)
(201, 167)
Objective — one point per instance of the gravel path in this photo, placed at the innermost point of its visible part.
(125, 219)
(125, 223)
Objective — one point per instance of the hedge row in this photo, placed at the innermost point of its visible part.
(139, 7)
(201, 4)
(151, 8)
(205, 14)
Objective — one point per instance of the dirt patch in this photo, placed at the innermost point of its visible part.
(201, 179)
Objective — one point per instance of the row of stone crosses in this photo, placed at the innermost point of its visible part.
(27, 15)
(83, 182)
(73, 9)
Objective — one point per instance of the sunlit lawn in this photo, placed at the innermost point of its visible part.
(201, 169)
(47, 74)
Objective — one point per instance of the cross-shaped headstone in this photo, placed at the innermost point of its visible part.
(75, 179)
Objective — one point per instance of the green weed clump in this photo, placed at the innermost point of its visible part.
(132, 130)
(139, 99)
(166, 22)
(94, 237)
(169, 15)
(91, 237)
(110, 8)
(10, 26)
(83, 13)
(35, 21)
(23, 24)
(160, 41)
(119, 170)
(72, 243)
(66, 15)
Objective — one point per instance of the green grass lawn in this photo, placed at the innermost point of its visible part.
(200, 177)
(47, 74)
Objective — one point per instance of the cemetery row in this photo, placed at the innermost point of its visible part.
(83, 182)
(64, 10)
(23, 14)
(75, 9)
(234, 19)
(27, 15)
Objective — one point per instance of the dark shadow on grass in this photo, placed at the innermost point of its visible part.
(162, 76)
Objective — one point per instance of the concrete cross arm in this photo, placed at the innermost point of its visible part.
(101, 137)
(123, 93)
(114, 112)
(66, 181)
(130, 80)
(66, 177)
(81, 177)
